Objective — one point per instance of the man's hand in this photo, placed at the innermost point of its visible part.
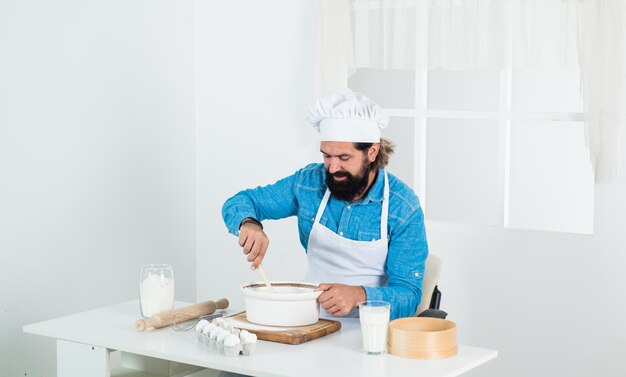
(254, 242)
(340, 299)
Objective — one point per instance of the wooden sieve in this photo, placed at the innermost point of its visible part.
(422, 338)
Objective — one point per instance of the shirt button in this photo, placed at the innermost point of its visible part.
(417, 274)
(341, 233)
(349, 207)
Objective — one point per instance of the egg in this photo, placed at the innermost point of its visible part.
(222, 335)
(231, 340)
(201, 325)
(232, 345)
(214, 331)
(207, 329)
(248, 343)
(249, 338)
(243, 334)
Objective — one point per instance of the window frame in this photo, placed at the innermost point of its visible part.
(504, 114)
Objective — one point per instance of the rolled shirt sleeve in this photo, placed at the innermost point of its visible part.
(275, 201)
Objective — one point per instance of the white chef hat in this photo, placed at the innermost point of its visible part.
(344, 115)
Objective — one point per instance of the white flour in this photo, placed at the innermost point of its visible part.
(156, 295)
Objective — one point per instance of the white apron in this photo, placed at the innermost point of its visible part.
(336, 259)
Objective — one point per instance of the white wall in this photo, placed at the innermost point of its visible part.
(551, 303)
(255, 64)
(97, 160)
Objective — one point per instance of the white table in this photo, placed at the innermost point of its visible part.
(86, 342)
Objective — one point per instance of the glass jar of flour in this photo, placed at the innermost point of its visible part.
(156, 289)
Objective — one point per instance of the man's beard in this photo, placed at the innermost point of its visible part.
(353, 186)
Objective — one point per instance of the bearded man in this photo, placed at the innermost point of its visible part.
(361, 227)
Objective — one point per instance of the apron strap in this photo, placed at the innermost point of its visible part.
(322, 207)
(385, 211)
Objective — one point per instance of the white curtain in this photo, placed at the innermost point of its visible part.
(489, 34)
(603, 68)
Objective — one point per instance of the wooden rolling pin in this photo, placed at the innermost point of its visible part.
(166, 318)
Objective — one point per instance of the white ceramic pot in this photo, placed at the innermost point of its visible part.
(291, 304)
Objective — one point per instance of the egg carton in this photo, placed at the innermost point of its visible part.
(220, 336)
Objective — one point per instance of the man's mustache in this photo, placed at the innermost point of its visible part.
(341, 174)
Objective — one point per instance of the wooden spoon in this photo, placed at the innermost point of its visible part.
(265, 279)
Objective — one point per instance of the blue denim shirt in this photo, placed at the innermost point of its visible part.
(301, 194)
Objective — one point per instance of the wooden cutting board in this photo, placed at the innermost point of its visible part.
(287, 335)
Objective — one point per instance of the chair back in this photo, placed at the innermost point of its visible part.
(431, 277)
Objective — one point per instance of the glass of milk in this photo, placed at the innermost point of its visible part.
(156, 289)
(374, 317)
